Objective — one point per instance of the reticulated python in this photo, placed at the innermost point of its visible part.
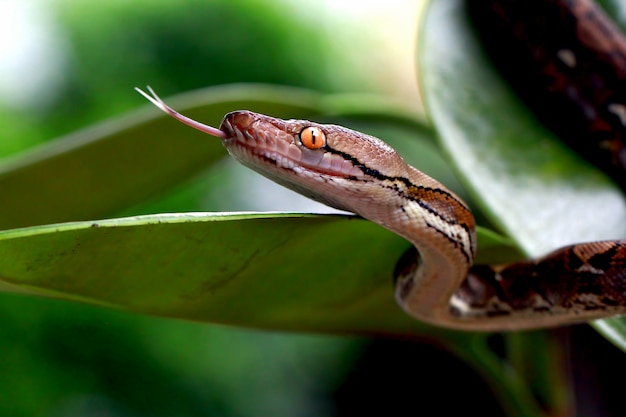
(437, 282)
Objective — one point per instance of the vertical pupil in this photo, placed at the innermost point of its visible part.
(313, 137)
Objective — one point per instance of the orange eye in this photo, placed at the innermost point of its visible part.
(312, 137)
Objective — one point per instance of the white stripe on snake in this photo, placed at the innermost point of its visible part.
(436, 282)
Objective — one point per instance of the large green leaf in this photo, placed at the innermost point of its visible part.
(283, 271)
(536, 189)
(242, 269)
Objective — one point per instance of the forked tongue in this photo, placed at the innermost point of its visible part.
(156, 100)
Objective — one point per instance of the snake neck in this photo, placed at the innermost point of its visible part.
(427, 277)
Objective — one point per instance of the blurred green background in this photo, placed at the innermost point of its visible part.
(71, 63)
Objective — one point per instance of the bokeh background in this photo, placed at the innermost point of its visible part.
(68, 63)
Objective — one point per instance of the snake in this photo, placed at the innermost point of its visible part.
(436, 281)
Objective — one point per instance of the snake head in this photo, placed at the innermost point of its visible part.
(342, 168)
(328, 163)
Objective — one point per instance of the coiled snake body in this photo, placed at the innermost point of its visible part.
(437, 282)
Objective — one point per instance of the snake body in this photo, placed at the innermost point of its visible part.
(437, 281)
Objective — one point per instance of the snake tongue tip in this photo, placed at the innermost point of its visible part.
(157, 101)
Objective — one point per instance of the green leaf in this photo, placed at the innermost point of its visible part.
(283, 271)
(538, 191)
(108, 167)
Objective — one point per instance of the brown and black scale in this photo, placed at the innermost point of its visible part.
(580, 278)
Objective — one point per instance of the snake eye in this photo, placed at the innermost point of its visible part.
(312, 137)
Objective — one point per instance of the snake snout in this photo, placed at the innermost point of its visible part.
(237, 121)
